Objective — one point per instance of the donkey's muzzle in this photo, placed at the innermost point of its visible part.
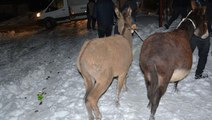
(133, 28)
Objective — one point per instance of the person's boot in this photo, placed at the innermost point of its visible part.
(166, 26)
(201, 76)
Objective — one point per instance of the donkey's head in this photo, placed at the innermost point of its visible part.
(198, 15)
(125, 23)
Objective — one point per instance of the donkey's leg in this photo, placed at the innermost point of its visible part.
(148, 93)
(89, 84)
(156, 99)
(148, 87)
(175, 86)
(121, 83)
(89, 110)
(93, 97)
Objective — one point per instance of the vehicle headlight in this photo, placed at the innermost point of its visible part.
(38, 14)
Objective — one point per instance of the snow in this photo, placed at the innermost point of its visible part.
(45, 62)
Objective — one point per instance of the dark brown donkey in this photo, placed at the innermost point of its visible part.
(167, 57)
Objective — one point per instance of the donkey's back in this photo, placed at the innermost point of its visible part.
(99, 61)
(170, 52)
(105, 54)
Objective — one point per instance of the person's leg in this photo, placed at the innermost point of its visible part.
(173, 17)
(108, 31)
(89, 22)
(193, 43)
(203, 46)
(93, 23)
(101, 31)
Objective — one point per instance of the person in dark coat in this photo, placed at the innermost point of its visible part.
(133, 5)
(104, 14)
(180, 7)
(90, 11)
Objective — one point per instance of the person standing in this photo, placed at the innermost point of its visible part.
(90, 11)
(180, 7)
(104, 14)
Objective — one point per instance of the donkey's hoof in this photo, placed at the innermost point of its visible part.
(176, 90)
(117, 104)
(201, 76)
(149, 105)
(91, 118)
(152, 117)
(126, 88)
(98, 118)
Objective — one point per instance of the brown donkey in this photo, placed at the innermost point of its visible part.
(102, 59)
(167, 57)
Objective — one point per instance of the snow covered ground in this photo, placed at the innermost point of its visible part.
(45, 62)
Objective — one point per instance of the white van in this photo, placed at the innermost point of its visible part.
(62, 11)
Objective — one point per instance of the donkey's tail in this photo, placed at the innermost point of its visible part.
(81, 53)
(153, 82)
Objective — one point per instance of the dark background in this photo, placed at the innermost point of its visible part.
(13, 8)
(34, 5)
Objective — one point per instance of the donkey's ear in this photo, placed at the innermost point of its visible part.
(204, 8)
(194, 4)
(129, 11)
(118, 14)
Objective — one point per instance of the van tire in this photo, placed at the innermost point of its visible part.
(50, 23)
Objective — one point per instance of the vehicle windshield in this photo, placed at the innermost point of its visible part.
(55, 5)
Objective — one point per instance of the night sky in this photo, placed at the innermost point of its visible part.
(37, 5)
(34, 5)
(13, 1)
